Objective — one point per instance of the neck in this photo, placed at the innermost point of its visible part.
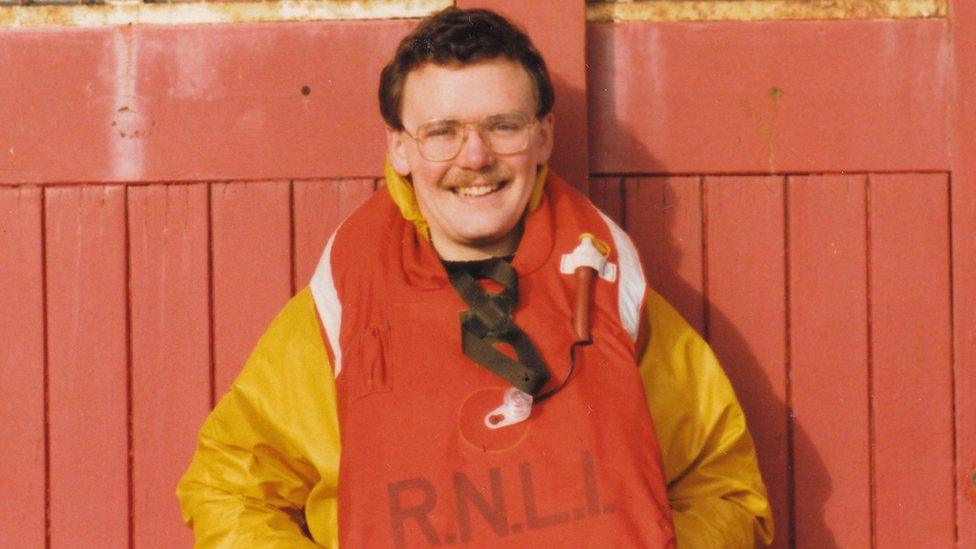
(451, 251)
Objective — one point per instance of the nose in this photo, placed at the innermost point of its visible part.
(475, 153)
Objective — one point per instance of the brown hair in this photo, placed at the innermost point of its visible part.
(461, 36)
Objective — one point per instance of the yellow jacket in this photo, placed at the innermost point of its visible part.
(268, 454)
(271, 446)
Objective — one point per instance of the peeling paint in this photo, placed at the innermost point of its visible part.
(757, 10)
(129, 12)
(182, 13)
(766, 117)
(769, 126)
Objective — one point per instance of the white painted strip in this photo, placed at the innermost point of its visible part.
(189, 13)
(126, 12)
(327, 303)
(762, 10)
(632, 285)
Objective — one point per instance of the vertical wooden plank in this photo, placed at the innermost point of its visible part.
(829, 360)
(87, 365)
(606, 193)
(746, 317)
(169, 303)
(558, 30)
(22, 367)
(963, 157)
(320, 206)
(911, 349)
(251, 228)
(664, 218)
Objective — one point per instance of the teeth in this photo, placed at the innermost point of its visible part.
(478, 190)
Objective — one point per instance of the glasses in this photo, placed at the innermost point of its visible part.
(442, 140)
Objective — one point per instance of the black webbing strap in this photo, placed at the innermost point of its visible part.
(489, 321)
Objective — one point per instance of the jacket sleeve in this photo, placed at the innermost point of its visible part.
(258, 456)
(716, 492)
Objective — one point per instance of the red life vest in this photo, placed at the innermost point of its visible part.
(418, 465)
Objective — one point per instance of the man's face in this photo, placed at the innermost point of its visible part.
(474, 202)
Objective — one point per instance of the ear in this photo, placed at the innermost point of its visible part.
(396, 144)
(546, 133)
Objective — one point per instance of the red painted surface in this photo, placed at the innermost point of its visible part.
(812, 96)
(54, 122)
(226, 101)
(195, 103)
(911, 370)
(87, 365)
(963, 117)
(829, 364)
(170, 339)
(319, 207)
(22, 367)
(745, 285)
(664, 217)
(252, 269)
(607, 194)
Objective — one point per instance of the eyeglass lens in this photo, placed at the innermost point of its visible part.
(503, 134)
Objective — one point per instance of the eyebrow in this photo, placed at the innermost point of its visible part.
(486, 117)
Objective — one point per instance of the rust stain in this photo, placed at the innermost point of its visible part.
(775, 95)
(756, 10)
(766, 122)
(969, 492)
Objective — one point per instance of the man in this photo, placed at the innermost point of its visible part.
(478, 358)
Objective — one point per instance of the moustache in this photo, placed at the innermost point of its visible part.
(488, 176)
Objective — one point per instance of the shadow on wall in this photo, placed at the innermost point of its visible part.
(760, 402)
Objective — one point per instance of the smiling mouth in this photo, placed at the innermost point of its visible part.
(474, 191)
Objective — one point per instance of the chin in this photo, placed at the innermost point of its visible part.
(483, 240)
(486, 240)
(484, 232)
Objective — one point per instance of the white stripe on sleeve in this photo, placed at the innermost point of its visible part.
(632, 285)
(327, 303)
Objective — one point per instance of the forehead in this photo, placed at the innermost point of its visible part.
(467, 92)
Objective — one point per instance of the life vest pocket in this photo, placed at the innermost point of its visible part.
(372, 373)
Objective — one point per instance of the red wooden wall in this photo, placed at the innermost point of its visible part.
(815, 291)
(803, 191)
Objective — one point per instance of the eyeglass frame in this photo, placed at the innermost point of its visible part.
(479, 127)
